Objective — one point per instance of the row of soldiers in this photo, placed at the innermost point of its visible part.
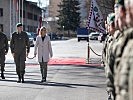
(118, 51)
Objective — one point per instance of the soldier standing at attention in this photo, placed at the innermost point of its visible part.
(3, 51)
(112, 50)
(104, 59)
(109, 72)
(126, 63)
(20, 48)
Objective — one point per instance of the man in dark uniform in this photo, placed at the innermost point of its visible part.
(20, 48)
(3, 51)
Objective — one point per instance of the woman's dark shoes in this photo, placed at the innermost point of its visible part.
(19, 80)
(22, 78)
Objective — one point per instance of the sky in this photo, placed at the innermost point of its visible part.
(44, 2)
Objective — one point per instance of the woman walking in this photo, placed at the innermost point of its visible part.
(44, 50)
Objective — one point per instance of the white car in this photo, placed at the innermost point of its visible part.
(94, 35)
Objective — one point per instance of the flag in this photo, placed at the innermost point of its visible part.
(95, 19)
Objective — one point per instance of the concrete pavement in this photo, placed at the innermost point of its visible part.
(64, 82)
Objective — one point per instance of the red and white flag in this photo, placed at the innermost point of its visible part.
(95, 20)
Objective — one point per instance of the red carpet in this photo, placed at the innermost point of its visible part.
(70, 61)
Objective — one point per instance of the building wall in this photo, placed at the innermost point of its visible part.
(53, 7)
(30, 24)
(5, 19)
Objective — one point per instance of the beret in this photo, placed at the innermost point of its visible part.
(111, 18)
(120, 2)
(19, 24)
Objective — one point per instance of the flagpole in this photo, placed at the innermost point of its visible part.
(19, 11)
(22, 10)
(10, 17)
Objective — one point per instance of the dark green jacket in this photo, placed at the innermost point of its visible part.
(20, 43)
(3, 43)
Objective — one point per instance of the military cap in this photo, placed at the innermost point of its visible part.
(19, 24)
(120, 2)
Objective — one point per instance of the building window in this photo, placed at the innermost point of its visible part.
(30, 28)
(30, 15)
(1, 27)
(35, 29)
(1, 12)
(35, 17)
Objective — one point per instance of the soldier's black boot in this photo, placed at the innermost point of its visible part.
(19, 79)
(2, 75)
(43, 79)
(22, 78)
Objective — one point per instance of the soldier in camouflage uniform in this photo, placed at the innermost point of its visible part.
(125, 74)
(104, 57)
(117, 34)
(3, 51)
(108, 72)
(117, 47)
(129, 6)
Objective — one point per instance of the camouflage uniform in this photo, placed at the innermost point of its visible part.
(104, 51)
(130, 66)
(121, 74)
(108, 72)
(111, 57)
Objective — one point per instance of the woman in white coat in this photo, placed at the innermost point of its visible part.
(44, 50)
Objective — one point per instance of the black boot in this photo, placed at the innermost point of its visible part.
(22, 78)
(43, 79)
(19, 79)
(2, 75)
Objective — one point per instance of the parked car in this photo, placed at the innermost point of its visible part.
(31, 39)
(60, 36)
(94, 35)
(34, 35)
(102, 37)
(53, 36)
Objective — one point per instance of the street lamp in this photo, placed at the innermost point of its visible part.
(63, 30)
(48, 28)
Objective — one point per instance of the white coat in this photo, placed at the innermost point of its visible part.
(44, 48)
